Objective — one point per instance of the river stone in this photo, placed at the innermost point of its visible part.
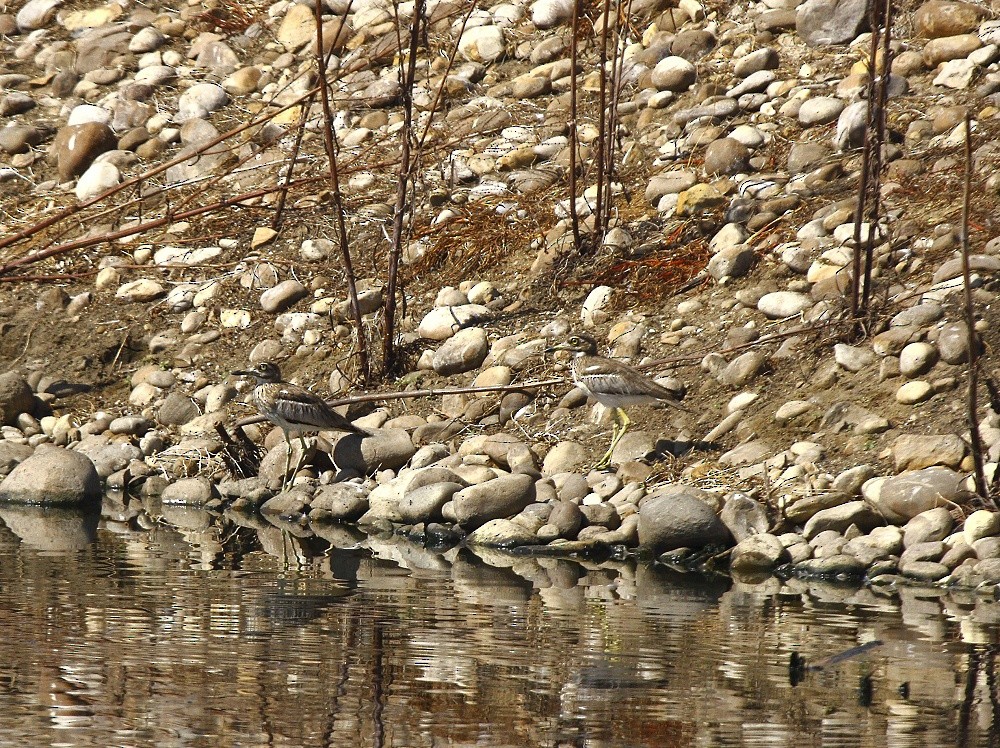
(839, 518)
(16, 397)
(195, 491)
(916, 391)
(744, 517)
(678, 520)
(495, 499)
(732, 261)
(937, 18)
(957, 74)
(820, 110)
(482, 44)
(726, 156)
(782, 304)
(443, 322)
(199, 101)
(764, 58)
(826, 22)
(339, 502)
(853, 358)
(387, 449)
(423, 504)
(282, 296)
(916, 359)
(669, 183)
(36, 14)
(953, 343)
(914, 451)
(52, 476)
(758, 553)
(76, 146)
(99, 177)
(742, 369)
(464, 351)
(19, 138)
(564, 457)
(900, 498)
(673, 74)
(981, 524)
(501, 533)
(930, 526)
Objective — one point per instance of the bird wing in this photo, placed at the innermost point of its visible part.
(606, 376)
(308, 409)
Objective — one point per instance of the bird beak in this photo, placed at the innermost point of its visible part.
(243, 373)
(554, 348)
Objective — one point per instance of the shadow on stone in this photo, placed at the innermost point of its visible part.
(52, 528)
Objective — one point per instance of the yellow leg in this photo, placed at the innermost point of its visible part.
(288, 461)
(619, 428)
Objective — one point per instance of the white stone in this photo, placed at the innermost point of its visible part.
(84, 113)
(36, 14)
(143, 289)
(199, 101)
(956, 74)
(482, 44)
(548, 13)
(916, 359)
(914, 392)
(443, 322)
(186, 255)
(782, 304)
(593, 306)
(99, 177)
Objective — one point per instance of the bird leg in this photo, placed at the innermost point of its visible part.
(618, 430)
(302, 454)
(288, 460)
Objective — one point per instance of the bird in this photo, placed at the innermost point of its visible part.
(293, 408)
(612, 383)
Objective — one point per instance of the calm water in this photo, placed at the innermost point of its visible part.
(200, 633)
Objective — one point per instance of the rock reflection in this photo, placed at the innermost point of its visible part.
(186, 634)
(48, 528)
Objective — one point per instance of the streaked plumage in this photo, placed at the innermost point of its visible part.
(612, 383)
(293, 408)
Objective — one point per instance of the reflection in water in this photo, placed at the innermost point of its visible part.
(195, 636)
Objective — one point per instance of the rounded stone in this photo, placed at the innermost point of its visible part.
(782, 304)
(100, 177)
(673, 74)
(820, 110)
(282, 296)
(52, 476)
(916, 359)
(16, 397)
(914, 392)
(726, 156)
(464, 351)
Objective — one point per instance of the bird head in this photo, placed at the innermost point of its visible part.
(579, 343)
(265, 371)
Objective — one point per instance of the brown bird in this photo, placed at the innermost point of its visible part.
(293, 408)
(612, 383)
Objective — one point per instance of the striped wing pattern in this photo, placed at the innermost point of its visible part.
(615, 383)
(297, 408)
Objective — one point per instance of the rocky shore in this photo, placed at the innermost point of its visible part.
(809, 449)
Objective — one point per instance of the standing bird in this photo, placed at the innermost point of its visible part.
(293, 408)
(612, 383)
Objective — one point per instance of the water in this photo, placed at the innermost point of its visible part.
(215, 635)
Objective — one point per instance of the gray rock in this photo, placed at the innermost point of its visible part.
(782, 304)
(567, 518)
(913, 451)
(52, 476)
(743, 368)
(851, 126)
(16, 397)
(902, 497)
(764, 58)
(953, 343)
(820, 110)
(339, 502)
(678, 520)
(803, 156)
(931, 550)
(726, 156)
(289, 504)
(744, 517)
(195, 491)
(752, 83)
(853, 358)
(758, 553)
(282, 296)
(464, 351)
(839, 565)
(443, 322)
(564, 457)
(424, 504)
(932, 525)
(36, 14)
(177, 409)
(19, 138)
(673, 74)
(826, 22)
(732, 261)
(99, 177)
(924, 571)
(387, 449)
(199, 101)
(839, 518)
(501, 533)
(495, 499)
